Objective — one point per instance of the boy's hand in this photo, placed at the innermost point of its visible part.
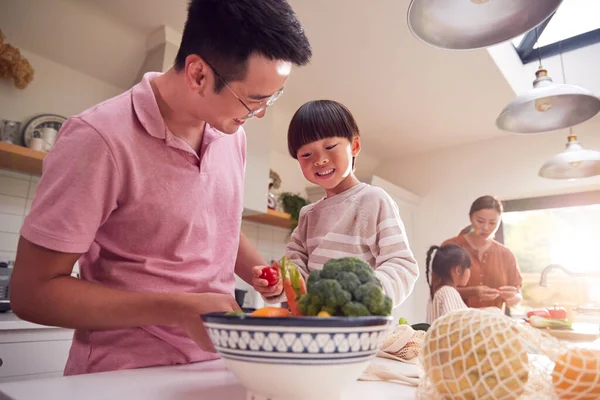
(261, 285)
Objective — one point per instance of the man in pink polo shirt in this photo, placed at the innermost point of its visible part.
(146, 190)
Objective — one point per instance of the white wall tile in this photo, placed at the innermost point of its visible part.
(10, 223)
(13, 186)
(12, 205)
(8, 256)
(265, 238)
(35, 178)
(278, 250)
(9, 241)
(250, 229)
(281, 235)
(32, 188)
(14, 174)
(28, 204)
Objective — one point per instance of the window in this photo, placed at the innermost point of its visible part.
(574, 25)
(561, 230)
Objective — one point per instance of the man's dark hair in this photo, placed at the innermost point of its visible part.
(226, 32)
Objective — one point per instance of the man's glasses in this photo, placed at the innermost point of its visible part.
(251, 113)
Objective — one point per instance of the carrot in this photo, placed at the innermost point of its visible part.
(293, 284)
(270, 312)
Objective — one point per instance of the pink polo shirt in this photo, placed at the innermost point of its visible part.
(148, 214)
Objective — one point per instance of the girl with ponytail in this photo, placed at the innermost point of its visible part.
(450, 268)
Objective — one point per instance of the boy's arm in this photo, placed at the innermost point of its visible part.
(296, 252)
(396, 268)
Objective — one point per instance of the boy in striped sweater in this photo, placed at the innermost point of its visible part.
(354, 219)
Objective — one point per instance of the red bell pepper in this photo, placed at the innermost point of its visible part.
(557, 312)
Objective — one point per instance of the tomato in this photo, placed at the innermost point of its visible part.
(271, 275)
(540, 312)
(557, 312)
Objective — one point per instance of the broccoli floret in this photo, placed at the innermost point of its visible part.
(313, 278)
(310, 304)
(331, 293)
(349, 281)
(355, 309)
(345, 286)
(371, 295)
(382, 307)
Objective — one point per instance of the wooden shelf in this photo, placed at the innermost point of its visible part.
(272, 217)
(22, 159)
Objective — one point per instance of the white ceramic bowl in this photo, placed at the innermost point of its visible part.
(296, 358)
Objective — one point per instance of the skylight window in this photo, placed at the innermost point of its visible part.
(575, 24)
(573, 18)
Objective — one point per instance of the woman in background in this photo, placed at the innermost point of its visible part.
(495, 277)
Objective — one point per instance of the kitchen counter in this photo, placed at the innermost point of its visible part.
(206, 380)
(9, 321)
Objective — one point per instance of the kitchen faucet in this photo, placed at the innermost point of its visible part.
(596, 274)
(545, 271)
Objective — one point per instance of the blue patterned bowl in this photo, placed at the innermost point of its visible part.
(296, 358)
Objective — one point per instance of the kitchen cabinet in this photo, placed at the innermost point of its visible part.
(30, 351)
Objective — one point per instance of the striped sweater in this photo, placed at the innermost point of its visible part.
(362, 222)
(445, 299)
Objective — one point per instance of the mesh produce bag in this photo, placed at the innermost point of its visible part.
(478, 354)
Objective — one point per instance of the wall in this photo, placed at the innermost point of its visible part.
(56, 89)
(449, 180)
(16, 194)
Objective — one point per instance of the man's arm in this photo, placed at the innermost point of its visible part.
(43, 291)
(247, 258)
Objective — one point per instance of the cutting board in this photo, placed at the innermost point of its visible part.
(574, 335)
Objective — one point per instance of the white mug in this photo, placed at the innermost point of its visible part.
(48, 136)
(36, 143)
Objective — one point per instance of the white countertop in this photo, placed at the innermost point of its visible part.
(9, 321)
(207, 380)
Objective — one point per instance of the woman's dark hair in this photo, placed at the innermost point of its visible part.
(483, 203)
(446, 258)
(486, 203)
(320, 119)
(226, 32)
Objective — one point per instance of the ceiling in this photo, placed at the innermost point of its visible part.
(407, 97)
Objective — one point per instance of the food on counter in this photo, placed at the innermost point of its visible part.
(344, 287)
(235, 314)
(293, 284)
(576, 374)
(540, 312)
(271, 312)
(557, 312)
(270, 274)
(475, 354)
(542, 323)
(324, 314)
(421, 327)
(403, 321)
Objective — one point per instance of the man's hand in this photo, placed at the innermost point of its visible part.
(262, 285)
(200, 303)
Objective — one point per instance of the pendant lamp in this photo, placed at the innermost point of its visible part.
(573, 163)
(474, 24)
(548, 106)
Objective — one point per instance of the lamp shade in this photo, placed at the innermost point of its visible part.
(473, 24)
(573, 163)
(548, 107)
